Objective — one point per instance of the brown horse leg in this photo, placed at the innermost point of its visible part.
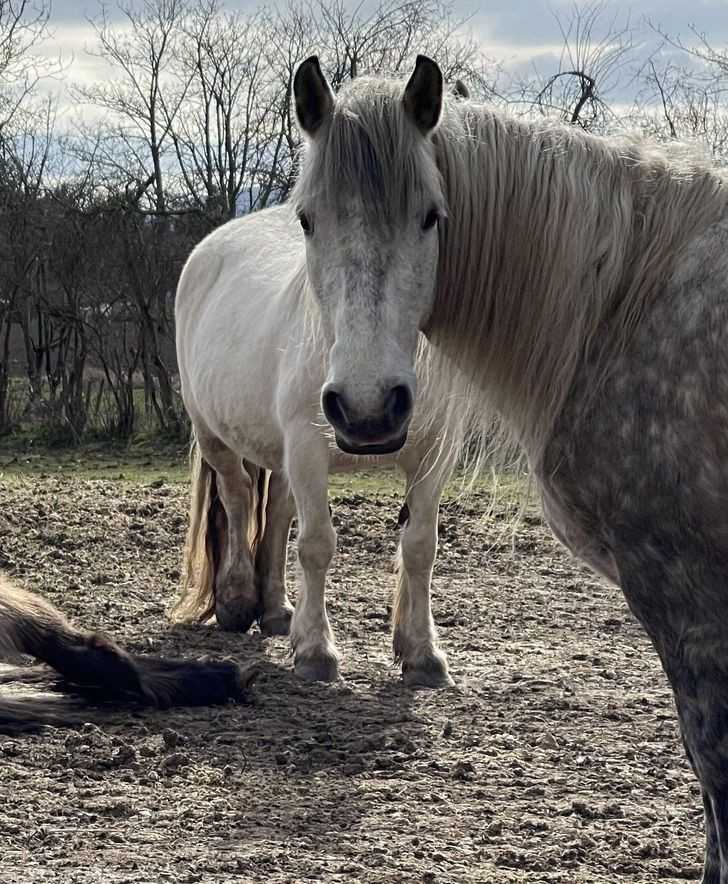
(270, 558)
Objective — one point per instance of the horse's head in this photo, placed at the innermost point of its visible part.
(369, 199)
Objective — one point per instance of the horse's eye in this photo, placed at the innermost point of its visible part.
(431, 218)
(305, 224)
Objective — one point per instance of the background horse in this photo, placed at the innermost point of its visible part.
(581, 286)
(92, 662)
(252, 361)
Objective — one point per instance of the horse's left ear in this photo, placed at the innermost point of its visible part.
(313, 95)
(460, 90)
(422, 97)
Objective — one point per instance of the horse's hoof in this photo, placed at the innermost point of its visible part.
(235, 618)
(277, 622)
(320, 667)
(429, 672)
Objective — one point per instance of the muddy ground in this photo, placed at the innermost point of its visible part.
(555, 759)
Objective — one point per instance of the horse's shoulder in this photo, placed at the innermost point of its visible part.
(703, 263)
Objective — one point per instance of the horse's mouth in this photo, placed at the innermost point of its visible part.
(371, 448)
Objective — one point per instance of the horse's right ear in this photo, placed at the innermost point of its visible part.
(422, 97)
(313, 95)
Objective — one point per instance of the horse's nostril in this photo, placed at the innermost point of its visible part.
(399, 403)
(334, 410)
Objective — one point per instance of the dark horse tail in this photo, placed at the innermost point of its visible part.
(94, 666)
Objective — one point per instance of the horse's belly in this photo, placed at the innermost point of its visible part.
(240, 414)
(582, 542)
(247, 425)
(260, 452)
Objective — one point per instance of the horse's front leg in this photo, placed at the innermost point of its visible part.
(711, 866)
(681, 603)
(315, 654)
(699, 677)
(413, 629)
(270, 557)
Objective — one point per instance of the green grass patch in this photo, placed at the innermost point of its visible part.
(147, 460)
(141, 462)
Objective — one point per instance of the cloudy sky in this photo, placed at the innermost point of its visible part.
(519, 33)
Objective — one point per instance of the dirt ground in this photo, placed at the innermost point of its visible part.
(555, 759)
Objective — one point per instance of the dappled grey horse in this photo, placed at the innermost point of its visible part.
(580, 286)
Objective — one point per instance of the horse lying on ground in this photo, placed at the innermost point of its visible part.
(580, 286)
(91, 663)
(252, 360)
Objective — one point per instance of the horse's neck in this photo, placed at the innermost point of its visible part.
(552, 237)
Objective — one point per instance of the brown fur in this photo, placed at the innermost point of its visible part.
(93, 663)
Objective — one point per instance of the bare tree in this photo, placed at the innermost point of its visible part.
(596, 58)
(228, 118)
(358, 40)
(384, 39)
(143, 108)
(23, 24)
(683, 94)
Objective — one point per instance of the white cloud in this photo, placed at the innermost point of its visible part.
(522, 34)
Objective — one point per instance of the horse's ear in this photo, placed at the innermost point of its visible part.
(422, 97)
(313, 95)
(460, 90)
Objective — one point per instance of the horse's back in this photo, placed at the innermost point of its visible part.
(237, 271)
(238, 311)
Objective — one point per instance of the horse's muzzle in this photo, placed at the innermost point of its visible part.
(382, 431)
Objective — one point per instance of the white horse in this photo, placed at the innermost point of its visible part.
(252, 363)
(581, 285)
